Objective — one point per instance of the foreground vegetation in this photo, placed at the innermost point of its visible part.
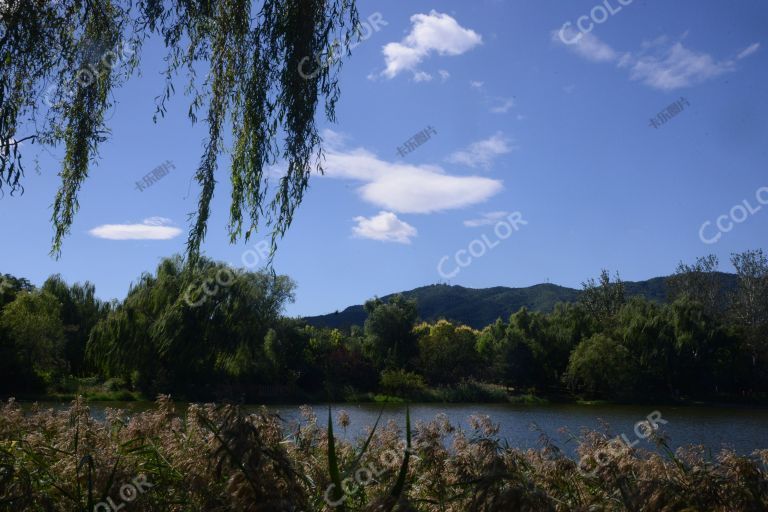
(216, 459)
(219, 334)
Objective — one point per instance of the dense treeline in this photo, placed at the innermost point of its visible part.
(220, 333)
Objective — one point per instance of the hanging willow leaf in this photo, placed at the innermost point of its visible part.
(61, 63)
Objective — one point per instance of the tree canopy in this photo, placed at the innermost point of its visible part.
(223, 336)
(63, 61)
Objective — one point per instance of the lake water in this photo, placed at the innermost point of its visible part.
(743, 429)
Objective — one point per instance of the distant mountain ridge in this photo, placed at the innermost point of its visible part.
(478, 307)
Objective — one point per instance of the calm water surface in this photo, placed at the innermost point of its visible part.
(743, 429)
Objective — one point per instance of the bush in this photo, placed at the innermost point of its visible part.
(601, 367)
(469, 391)
(402, 383)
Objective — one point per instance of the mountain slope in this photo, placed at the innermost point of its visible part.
(480, 307)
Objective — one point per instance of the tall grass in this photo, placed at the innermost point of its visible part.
(216, 458)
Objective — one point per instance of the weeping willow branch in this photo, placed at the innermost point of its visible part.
(62, 62)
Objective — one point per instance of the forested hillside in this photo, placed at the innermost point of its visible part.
(480, 307)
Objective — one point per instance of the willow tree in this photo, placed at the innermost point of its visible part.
(63, 60)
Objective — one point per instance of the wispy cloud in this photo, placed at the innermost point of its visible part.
(503, 105)
(486, 220)
(659, 64)
(675, 67)
(587, 46)
(406, 188)
(749, 50)
(153, 228)
(385, 227)
(482, 153)
(430, 33)
(498, 104)
(421, 76)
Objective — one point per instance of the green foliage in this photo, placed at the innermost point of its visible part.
(403, 384)
(214, 332)
(700, 282)
(480, 307)
(251, 53)
(602, 300)
(10, 287)
(469, 391)
(390, 339)
(750, 301)
(601, 366)
(447, 352)
(80, 311)
(165, 342)
(35, 334)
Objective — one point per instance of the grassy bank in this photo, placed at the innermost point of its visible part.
(92, 389)
(216, 459)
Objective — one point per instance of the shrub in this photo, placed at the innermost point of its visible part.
(402, 383)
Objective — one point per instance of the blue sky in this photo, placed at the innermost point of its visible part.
(523, 122)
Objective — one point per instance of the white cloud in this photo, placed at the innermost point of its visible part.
(486, 220)
(504, 106)
(675, 67)
(385, 227)
(660, 64)
(333, 139)
(430, 33)
(482, 153)
(444, 74)
(421, 76)
(749, 50)
(406, 188)
(587, 46)
(157, 221)
(499, 105)
(153, 228)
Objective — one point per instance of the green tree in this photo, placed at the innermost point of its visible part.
(644, 329)
(80, 311)
(390, 340)
(603, 299)
(193, 338)
(490, 344)
(249, 54)
(704, 360)
(33, 327)
(602, 367)
(566, 326)
(749, 306)
(10, 286)
(700, 281)
(509, 353)
(447, 352)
